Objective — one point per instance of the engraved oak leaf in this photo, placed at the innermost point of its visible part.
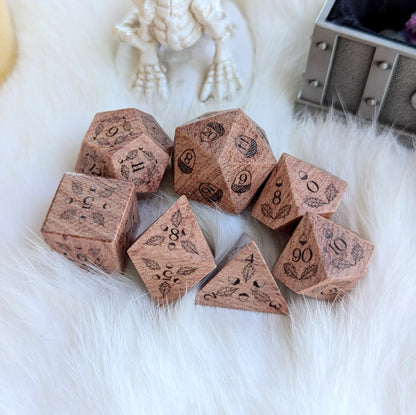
(186, 270)
(153, 265)
(331, 192)
(309, 272)
(280, 214)
(98, 218)
(189, 247)
(259, 296)
(248, 271)
(226, 291)
(107, 192)
(125, 172)
(290, 270)
(176, 218)
(132, 155)
(77, 188)
(155, 240)
(68, 214)
(315, 202)
(357, 252)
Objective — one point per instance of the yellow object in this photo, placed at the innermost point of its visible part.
(8, 46)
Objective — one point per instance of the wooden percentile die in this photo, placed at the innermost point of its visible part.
(126, 144)
(221, 159)
(172, 255)
(294, 188)
(243, 281)
(322, 259)
(92, 220)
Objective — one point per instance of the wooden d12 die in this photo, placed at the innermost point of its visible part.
(294, 188)
(243, 281)
(221, 159)
(92, 220)
(126, 144)
(172, 255)
(322, 259)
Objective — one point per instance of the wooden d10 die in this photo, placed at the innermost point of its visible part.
(92, 220)
(126, 144)
(322, 259)
(243, 281)
(294, 188)
(172, 255)
(221, 159)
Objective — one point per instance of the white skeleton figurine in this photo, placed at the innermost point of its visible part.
(179, 24)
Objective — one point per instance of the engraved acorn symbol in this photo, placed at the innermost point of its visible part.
(186, 161)
(242, 182)
(246, 146)
(210, 192)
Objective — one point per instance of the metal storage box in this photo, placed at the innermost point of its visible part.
(354, 68)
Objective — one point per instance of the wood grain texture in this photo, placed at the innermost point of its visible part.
(221, 159)
(322, 259)
(294, 188)
(92, 220)
(243, 281)
(172, 255)
(126, 144)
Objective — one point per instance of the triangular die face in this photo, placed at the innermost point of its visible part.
(301, 265)
(245, 283)
(314, 189)
(276, 206)
(246, 144)
(172, 255)
(210, 133)
(344, 253)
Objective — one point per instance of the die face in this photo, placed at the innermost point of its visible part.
(172, 255)
(300, 265)
(141, 162)
(127, 144)
(294, 188)
(322, 259)
(86, 217)
(213, 154)
(243, 282)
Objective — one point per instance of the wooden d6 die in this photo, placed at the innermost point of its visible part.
(243, 281)
(221, 159)
(294, 188)
(172, 255)
(322, 259)
(126, 144)
(92, 220)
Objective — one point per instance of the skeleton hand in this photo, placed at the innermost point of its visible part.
(150, 78)
(222, 81)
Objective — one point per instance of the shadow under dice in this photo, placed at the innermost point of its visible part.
(243, 281)
(294, 188)
(126, 144)
(322, 259)
(221, 159)
(92, 220)
(172, 255)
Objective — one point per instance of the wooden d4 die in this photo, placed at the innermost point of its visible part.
(294, 188)
(322, 259)
(92, 220)
(172, 255)
(126, 144)
(221, 159)
(243, 281)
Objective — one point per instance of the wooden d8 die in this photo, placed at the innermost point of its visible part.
(294, 188)
(126, 144)
(221, 159)
(92, 220)
(243, 281)
(172, 255)
(322, 259)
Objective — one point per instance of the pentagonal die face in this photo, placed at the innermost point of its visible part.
(92, 220)
(221, 159)
(127, 144)
(322, 259)
(172, 255)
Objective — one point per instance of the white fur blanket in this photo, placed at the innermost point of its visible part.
(72, 342)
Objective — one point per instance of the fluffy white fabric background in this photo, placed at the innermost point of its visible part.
(76, 343)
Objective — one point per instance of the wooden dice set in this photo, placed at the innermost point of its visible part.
(220, 159)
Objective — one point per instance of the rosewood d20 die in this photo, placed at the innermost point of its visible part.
(322, 259)
(294, 188)
(243, 281)
(126, 144)
(92, 220)
(172, 255)
(221, 159)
